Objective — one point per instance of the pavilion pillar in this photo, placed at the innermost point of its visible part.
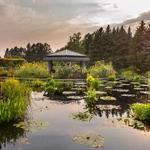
(50, 66)
(83, 67)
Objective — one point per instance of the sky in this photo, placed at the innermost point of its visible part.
(53, 21)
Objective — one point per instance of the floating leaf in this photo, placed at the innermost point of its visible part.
(91, 140)
(108, 98)
(32, 125)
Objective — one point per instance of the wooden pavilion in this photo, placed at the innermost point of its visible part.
(67, 56)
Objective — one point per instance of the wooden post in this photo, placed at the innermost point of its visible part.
(83, 67)
(50, 66)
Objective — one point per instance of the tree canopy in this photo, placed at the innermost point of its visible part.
(34, 52)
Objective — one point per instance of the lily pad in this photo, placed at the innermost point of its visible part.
(145, 92)
(69, 93)
(91, 140)
(74, 97)
(121, 90)
(108, 98)
(128, 95)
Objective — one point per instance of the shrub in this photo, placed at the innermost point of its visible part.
(14, 101)
(92, 83)
(141, 111)
(32, 70)
(102, 70)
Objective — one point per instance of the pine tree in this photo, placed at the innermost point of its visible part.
(138, 47)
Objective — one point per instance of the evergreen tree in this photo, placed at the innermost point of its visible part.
(138, 47)
(75, 43)
(36, 52)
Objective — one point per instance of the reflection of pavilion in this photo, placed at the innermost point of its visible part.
(66, 56)
(109, 111)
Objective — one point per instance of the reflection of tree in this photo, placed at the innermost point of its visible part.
(9, 133)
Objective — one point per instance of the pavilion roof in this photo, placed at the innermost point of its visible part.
(66, 55)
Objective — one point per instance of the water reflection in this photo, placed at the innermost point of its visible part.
(10, 134)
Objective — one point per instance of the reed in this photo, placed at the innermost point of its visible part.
(15, 98)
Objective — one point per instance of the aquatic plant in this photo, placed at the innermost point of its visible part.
(31, 125)
(15, 98)
(51, 87)
(92, 83)
(141, 111)
(91, 97)
(32, 70)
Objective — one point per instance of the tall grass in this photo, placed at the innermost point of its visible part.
(15, 98)
(32, 70)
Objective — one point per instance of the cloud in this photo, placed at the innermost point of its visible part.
(52, 21)
(142, 16)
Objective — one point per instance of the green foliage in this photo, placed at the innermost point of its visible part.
(92, 83)
(3, 72)
(91, 97)
(67, 71)
(85, 116)
(51, 87)
(38, 85)
(32, 53)
(116, 45)
(112, 77)
(141, 111)
(131, 75)
(11, 62)
(74, 43)
(14, 101)
(37, 51)
(102, 70)
(55, 88)
(32, 70)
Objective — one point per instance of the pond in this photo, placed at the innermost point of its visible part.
(51, 124)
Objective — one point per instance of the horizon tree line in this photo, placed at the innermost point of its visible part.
(117, 45)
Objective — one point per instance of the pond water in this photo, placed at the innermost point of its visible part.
(52, 127)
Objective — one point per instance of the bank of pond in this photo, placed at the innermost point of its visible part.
(125, 99)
